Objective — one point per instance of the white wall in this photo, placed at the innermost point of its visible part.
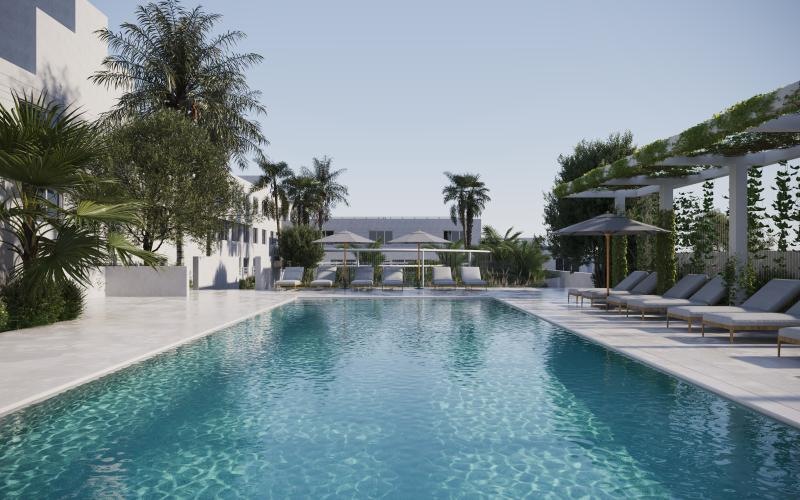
(215, 272)
(64, 58)
(145, 281)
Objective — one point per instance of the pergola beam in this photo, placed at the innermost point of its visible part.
(785, 123)
(616, 193)
(675, 182)
(759, 158)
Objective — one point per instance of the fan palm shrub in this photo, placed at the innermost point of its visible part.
(513, 261)
(59, 216)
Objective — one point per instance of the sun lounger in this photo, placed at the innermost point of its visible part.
(363, 278)
(625, 285)
(471, 277)
(788, 336)
(753, 321)
(326, 277)
(711, 293)
(645, 287)
(772, 297)
(443, 276)
(392, 277)
(648, 283)
(684, 288)
(292, 277)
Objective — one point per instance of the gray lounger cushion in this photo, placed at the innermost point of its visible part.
(292, 276)
(792, 332)
(711, 293)
(363, 277)
(471, 275)
(393, 276)
(697, 312)
(756, 318)
(645, 287)
(626, 284)
(682, 289)
(443, 276)
(772, 297)
(325, 276)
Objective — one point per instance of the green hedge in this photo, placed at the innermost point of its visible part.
(665, 260)
(28, 306)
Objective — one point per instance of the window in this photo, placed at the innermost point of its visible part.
(327, 233)
(223, 231)
(246, 232)
(454, 235)
(255, 236)
(264, 236)
(382, 236)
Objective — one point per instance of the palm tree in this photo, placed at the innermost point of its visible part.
(170, 58)
(273, 179)
(304, 193)
(331, 192)
(514, 261)
(47, 152)
(468, 195)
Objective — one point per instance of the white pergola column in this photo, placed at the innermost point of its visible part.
(619, 204)
(737, 200)
(665, 197)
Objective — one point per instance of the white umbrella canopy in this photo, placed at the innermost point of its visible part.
(419, 237)
(609, 225)
(345, 238)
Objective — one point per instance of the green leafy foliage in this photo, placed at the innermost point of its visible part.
(32, 304)
(513, 261)
(297, 247)
(74, 301)
(248, 283)
(176, 58)
(783, 206)
(47, 148)
(758, 231)
(560, 212)
(665, 263)
(3, 316)
(468, 196)
(180, 177)
(273, 179)
(619, 259)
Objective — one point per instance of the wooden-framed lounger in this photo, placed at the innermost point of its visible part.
(364, 278)
(772, 297)
(443, 277)
(471, 277)
(291, 277)
(392, 277)
(752, 321)
(788, 336)
(625, 285)
(709, 294)
(326, 277)
(685, 287)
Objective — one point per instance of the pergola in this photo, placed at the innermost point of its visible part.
(760, 131)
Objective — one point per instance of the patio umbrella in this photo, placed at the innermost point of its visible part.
(345, 238)
(609, 225)
(419, 237)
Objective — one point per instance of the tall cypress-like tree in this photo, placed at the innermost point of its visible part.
(783, 206)
(758, 231)
(562, 212)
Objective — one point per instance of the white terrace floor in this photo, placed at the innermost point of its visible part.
(113, 333)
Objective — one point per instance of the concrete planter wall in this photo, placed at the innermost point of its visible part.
(142, 281)
(567, 279)
(215, 273)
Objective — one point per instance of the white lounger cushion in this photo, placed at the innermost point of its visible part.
(325, 276)
(363, 278)
(760, 319)
(292, 276)
(393, 276)
(471, 275)
(648, 302)
(697, 312)
(443, 276)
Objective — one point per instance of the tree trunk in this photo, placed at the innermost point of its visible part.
(277, 216)
(179, 249)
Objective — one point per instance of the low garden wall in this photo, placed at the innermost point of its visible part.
(215, 273)
(567, 279)
(144, 281)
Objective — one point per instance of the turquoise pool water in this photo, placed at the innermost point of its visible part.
(394, 398)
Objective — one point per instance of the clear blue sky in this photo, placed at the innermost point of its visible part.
(398, 92)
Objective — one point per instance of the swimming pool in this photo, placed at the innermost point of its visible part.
(402, 398)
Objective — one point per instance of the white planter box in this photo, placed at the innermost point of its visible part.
(143, 281)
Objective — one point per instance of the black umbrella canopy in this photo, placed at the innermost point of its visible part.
(611, 224)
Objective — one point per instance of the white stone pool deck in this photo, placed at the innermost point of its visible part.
(113, 333)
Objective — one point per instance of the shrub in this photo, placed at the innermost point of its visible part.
(32, 305)
(297, 247)
(248, 283)
(73, 296)
(3, 316)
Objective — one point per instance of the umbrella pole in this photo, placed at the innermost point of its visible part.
(344, 275)
(419, 283)
(608, 263)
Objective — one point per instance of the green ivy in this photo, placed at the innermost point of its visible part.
(619, 259)
(735, 120)
(665, 261)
